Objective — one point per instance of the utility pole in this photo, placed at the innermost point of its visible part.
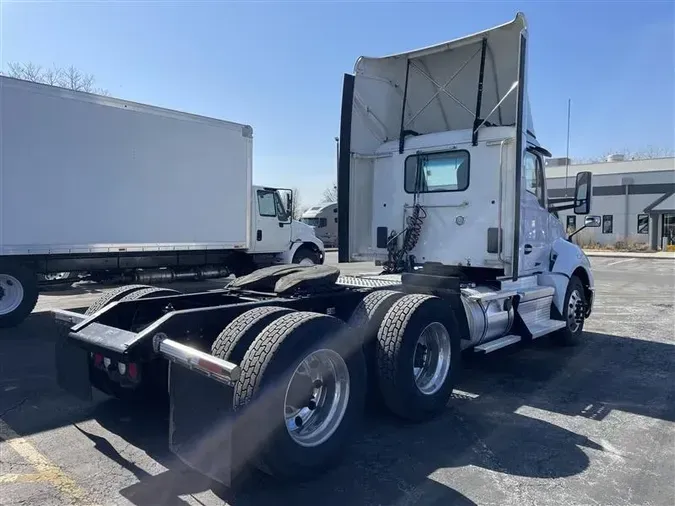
(567, 155)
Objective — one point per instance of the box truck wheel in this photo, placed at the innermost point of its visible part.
(574, 308)
(232, 343)
(302, 388)
(418, 356)
(307, 256)
(18, 293)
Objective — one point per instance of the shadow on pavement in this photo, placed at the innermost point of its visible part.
(389, 461)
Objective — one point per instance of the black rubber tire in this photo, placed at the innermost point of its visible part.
(29, 282)
(235, 339)
(397, 341)
(366, 320)
(112, 296)
(565, 336)
(306, 253)
(259, 394)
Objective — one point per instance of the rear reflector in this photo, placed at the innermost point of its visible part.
(98, 358)
(133, 371)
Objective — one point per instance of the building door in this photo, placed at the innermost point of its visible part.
(668, 227)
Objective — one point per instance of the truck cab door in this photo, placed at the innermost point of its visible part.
(534, 217)
(272, 223)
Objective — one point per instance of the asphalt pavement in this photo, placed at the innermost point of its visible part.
(592, 424)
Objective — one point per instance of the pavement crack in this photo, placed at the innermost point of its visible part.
(15, 406)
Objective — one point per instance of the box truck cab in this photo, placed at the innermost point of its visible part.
(273, 230)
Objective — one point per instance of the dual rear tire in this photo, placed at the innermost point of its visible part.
(305, 375)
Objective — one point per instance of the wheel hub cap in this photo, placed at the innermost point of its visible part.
(316, 398)
(575, 311)
(431, 362)
(11, 293)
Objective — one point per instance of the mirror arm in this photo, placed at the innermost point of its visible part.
(561, 208)
(569, 237)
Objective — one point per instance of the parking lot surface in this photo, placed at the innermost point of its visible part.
(592, 424)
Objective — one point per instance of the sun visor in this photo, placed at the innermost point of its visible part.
(441, 86)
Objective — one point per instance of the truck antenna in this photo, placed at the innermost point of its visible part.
(567, 156)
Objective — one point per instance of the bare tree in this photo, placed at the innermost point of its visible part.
(68, 77)
(296, 209)
(648, 153)
(330, 193)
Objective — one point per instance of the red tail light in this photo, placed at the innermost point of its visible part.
(132, 370)
(98, 359)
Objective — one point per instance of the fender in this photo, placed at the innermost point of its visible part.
(295, 246)
(568, 259)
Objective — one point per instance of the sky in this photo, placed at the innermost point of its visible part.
(278, 66)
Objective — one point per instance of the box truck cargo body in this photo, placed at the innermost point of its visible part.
(97, 184)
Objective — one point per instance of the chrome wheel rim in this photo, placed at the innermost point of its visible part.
(431, 361)
(572, 308)
(316, 398)
(11, 293)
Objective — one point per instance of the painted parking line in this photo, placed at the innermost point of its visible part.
(46, 470)
(621, 261)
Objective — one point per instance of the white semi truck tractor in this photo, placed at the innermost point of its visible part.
(441, 181)
(129, 193)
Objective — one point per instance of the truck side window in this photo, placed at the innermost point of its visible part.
(266, 203)
(438, 172)
(534, 177)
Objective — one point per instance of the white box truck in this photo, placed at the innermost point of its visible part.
(115, 188)
(450, 198)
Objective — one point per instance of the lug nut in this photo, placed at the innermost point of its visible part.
(298, 422)
(311, 405)
(317, 383)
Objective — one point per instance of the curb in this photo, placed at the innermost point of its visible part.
(618, 254)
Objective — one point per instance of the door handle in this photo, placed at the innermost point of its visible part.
(528, 249)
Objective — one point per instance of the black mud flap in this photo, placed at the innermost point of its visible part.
(201, 424)
(72, 367)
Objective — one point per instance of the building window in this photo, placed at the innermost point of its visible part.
(643, 224)
(607, 224)
(335, 220)
(437, 172)
(571, 222)
(322, 222)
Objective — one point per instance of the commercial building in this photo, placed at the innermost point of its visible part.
(635, 198)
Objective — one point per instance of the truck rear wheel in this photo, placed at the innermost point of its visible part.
(18, 293)
(418, 356)
(302, 388)
(366, 320)
(232, 343)
(574, 310)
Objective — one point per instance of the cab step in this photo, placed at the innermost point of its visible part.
(543, 327)
(497, 344)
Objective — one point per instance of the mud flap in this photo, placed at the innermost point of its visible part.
(201, 424)
(72, 368)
